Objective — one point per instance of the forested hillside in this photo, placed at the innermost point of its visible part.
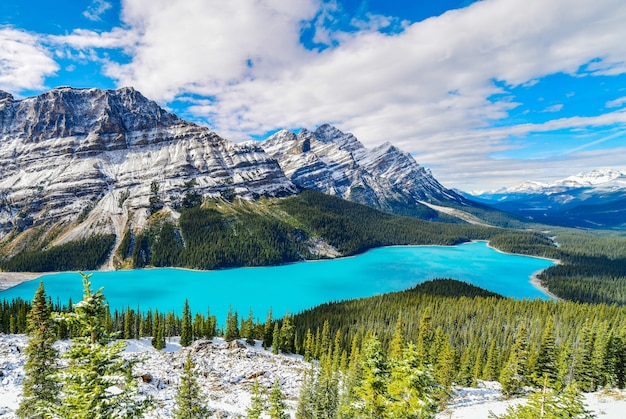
(477, 336)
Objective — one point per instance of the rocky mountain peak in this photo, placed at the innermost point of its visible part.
(331, 161)
(5, 95)
(329, 134)
(118, 156)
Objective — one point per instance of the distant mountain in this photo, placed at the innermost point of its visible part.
(384, 177)
(595, 199)
(79, 161)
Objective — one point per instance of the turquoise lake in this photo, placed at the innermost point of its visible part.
(299, 286)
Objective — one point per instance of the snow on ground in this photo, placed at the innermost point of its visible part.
(477, 403)
(227, 371)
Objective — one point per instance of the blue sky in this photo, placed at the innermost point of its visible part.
(486, 94)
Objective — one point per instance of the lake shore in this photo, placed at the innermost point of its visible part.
(11, 279)
(534, 279)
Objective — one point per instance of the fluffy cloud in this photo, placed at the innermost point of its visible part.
(96, 9)
(201, 47)
(24, 62)
(429, 88)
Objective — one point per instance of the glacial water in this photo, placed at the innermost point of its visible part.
(299, 286)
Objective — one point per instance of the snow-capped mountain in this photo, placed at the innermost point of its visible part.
(336, 163)
(108, 153)
(605, 179)
(596, 199)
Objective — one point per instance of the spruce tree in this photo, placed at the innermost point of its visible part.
(490, 372)
(287, 335)
(257, 402)
(268, 329)
(276, 402)
(326, 391)
(550, 404)
(158, 339)
(396, 346)
(40, 392)
(276, 339)
(186, 333)
(411, 388)
(513, 375)
(98, 382)
(373, 390)
(232, 326)
(545, 364)
(190, 402)
(306, 400)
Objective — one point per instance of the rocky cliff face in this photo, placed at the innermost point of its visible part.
(118, 154)
(334, 162)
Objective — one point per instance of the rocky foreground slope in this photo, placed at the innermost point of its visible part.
(226, 374)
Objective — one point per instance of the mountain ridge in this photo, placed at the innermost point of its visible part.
(337, 163)
(595, 199)
(114, 156)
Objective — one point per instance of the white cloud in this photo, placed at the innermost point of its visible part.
(426, 89)
(616, 103)
(82, 39)
(554, 108)
(203, 47)
(96, 9)
(24, 62)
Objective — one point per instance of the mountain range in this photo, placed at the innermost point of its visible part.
(595, 199)
(74, 162)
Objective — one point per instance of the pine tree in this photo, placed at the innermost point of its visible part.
(268, 329)
(396, 346)
(326, 391)
(549, 404)
(411, 388)
(544, 364)
(513, 375)
(40, 392)
(351, 382)
(276, 401)
(309, 346)
(98, 382)
(186, 333)
(306, 400)
(490, 371)
(190, 402)
(158, 339)
(128, 324)
(276, 339)
(287, 334)
(425, 337)
(257, 403)
(373, 390)
(584, 372)
(247, 328)
(232, 326)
